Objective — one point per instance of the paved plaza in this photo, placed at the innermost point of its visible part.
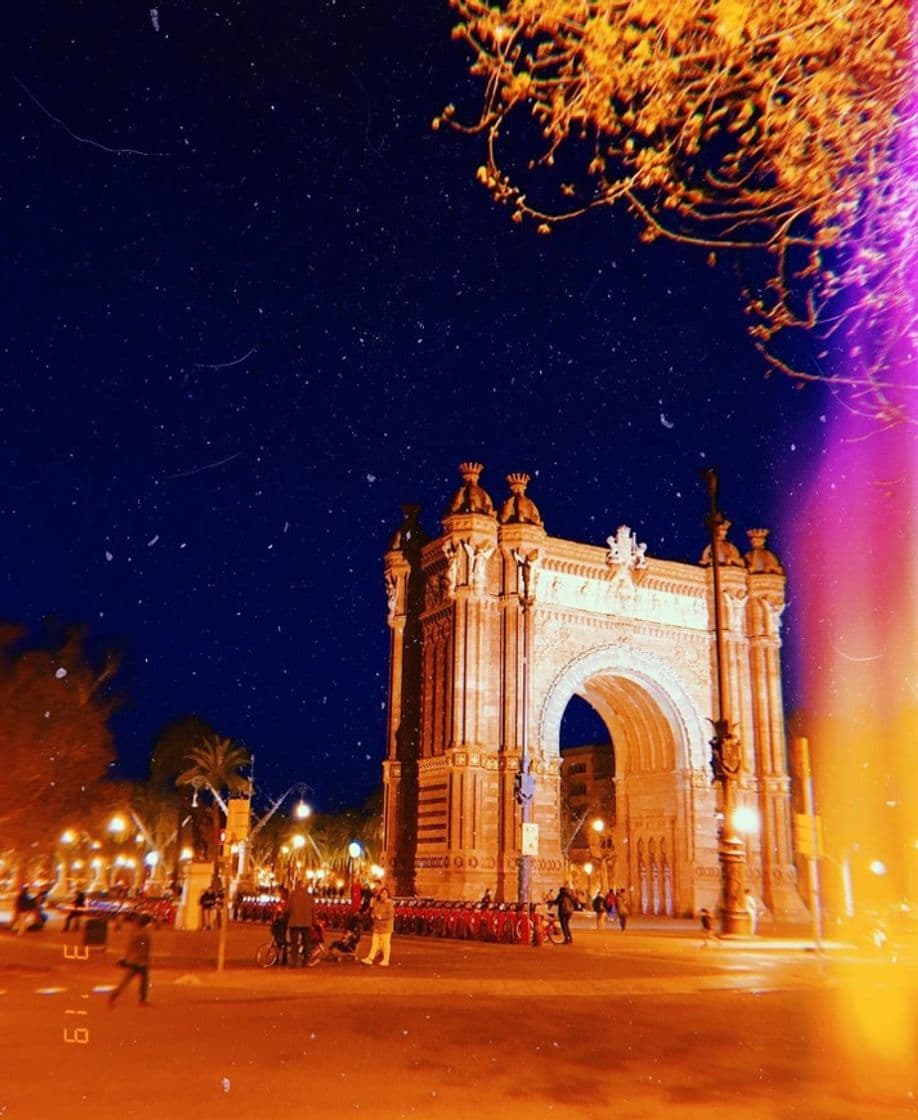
(645, 1024)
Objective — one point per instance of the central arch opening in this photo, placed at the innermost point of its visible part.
(587, 800)
(617, 794)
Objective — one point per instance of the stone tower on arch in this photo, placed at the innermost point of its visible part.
(495, 626)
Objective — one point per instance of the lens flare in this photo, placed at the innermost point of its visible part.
(855, 570)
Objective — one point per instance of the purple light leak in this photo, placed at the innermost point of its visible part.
(854, 574)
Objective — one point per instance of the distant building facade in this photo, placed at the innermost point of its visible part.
(495, 626)
(588, 812)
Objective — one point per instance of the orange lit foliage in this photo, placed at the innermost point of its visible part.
(55, 745)
(780, 126)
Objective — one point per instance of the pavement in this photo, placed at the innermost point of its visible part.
(439, 963)
(641, 1024)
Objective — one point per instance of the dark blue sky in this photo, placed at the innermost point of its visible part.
(228, 360)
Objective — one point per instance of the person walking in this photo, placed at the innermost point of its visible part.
(382, 915)
(301, 919)
(23, 911)
(564, 902)
(136, 962)
(599, 909)
(621, 905)
(707, 928)
(611, 905)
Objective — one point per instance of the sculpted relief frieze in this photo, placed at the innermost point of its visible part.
(619, 592)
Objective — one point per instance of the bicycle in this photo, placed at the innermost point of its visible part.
(551, 929)
(276, 950)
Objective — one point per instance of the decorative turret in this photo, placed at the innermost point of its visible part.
(409, 535)
(518, 509)
(759, 560)
(728, 555)
(470, 498)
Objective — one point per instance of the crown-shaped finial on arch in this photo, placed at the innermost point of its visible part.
(470, 472)
(471, 498)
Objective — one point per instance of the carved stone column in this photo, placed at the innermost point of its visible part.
(404, 598)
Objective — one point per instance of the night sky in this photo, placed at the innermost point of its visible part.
(253, 303)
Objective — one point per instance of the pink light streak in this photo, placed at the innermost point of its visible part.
(854, 573)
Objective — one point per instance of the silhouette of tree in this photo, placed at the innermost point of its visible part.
(55, 742)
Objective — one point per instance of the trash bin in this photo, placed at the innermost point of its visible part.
(95, 931)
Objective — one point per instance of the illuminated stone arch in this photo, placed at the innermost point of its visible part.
(495, 625)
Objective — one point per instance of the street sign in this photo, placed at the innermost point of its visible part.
(530, 840)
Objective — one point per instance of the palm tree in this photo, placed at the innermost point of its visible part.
(216, 764)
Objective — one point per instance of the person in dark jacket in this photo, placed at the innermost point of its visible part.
(565, 906)
(280, 922)
(23, 911)
(208, 902)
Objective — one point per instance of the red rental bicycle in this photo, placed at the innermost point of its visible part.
(551, 928)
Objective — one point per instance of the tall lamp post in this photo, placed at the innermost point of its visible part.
(726, 750)
(525, 779)
(598, 825)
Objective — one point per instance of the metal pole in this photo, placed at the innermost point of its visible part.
(525, 875)
(525, 779)
(224, 922)
(726, 751)
(813, 858)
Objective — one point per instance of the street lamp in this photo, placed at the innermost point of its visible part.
(746, 820)
(524, 790)
(726, 750)
(355, 855)
(117, 826)
(598, 825)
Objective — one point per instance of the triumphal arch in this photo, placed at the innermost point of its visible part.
(495, 626)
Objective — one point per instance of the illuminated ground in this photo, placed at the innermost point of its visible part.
(641, 1025)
